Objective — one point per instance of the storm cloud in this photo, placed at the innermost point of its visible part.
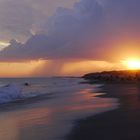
(89, 30)
(20, 18)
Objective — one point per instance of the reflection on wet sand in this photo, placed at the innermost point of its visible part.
(8, 128)
(54, 118)
(120, 124)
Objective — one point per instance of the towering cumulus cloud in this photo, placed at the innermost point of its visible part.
(92, 29)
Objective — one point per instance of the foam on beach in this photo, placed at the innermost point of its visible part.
(10, 93)
(16, 90)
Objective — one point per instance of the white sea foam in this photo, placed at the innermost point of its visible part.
(10, 93)
(16, 90)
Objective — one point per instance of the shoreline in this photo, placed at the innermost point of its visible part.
(119, 124)
(19, 104)
(51, 116)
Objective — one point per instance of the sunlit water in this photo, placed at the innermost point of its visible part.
(52, 118)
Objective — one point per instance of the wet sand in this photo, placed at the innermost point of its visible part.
(120, 124)
(51, 117)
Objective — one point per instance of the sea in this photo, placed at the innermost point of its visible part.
(47, 108)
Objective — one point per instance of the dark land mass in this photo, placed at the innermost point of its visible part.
(125, 76)
(120, 124)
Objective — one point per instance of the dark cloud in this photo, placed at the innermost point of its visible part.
(20, 18)
(88, 31)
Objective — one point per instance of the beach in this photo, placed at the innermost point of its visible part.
(69, 69)
(72, 111)
(122, 123)
(50, 108)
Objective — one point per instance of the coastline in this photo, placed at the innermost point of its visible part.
(119, 124)
(52, 116)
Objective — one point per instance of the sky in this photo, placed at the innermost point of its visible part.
(67, 37)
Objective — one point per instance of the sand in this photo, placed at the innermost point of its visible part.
(51, 117)
(120, 124)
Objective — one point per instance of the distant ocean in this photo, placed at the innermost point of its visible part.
(52, 118)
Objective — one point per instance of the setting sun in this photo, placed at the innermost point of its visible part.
(132, 64)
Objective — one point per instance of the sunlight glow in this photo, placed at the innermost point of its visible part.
(132, 64)
(3, 45)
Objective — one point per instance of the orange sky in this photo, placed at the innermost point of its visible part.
(73, 67)
(87, 37)
(46, 68)
(18, 69)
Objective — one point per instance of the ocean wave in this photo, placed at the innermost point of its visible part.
(13, 92)
(23, 89)
(10, 93)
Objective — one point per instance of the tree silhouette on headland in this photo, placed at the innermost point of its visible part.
(114, 76)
